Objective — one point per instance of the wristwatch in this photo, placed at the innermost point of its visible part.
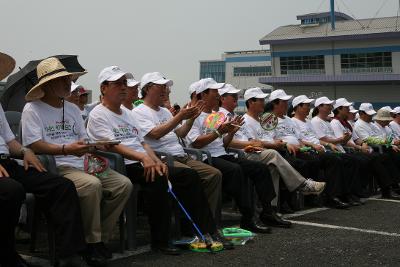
(218, 133)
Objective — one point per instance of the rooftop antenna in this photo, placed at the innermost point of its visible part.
(333, 15)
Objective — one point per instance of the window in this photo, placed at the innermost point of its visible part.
(303, 65)
(252, 71)
(367, 62)
(213, 69)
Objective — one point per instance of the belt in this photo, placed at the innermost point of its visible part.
(4, 156)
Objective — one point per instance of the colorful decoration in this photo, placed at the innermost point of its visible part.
(214, 120)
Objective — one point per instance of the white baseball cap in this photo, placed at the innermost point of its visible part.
(396, 110)
(74, 86)
(228, 89)
(131, 82)
(154, 77)
(193, 87)
(353, 110)
(208, 83)
(323, 100)
(367, 108)
(279, 94)
(255, 92)
(300, 100)
(387, 108)
(342, 102)
(112, 74)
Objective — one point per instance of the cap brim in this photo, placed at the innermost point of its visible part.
(216, 86)
(164, 81)
(326, 103)
(286, 97)
(234, 91)
(115, 77)
(354, 111)
(262, 96)
(132, 83)
(370, 112)
(307, 101)
(347, 104)
(376, 118)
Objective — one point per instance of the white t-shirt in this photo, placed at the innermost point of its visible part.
(287, 131)
(103, 124)
(384, 132)
(324, 129)
(41, 121)
(6, 134)
(364, 130)
(395, 129)
(306, 131)
(216, 147)
(84, 113)
(149, 119)
(226, 112)
(251, 129)
(339, 129)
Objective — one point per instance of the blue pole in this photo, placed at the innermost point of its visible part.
(333, 15)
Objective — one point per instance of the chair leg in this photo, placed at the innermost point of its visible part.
(122, 233)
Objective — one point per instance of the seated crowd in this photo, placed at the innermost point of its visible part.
(331, 149)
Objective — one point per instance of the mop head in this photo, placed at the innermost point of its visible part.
(200, 246)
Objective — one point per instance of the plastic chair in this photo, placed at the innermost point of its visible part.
(14, 118)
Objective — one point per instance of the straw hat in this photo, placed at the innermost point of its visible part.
(383, 115)
(47, 70)
(7, 65)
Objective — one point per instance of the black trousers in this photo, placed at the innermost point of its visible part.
(58, 199)
(380, 166)
(334, 174)
(236, 173)
(394, 158)
(12, 195)
(187, 187)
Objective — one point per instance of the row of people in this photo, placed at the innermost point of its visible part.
(53, 126)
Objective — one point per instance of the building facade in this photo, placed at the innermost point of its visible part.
(242, 69)
(359, 59)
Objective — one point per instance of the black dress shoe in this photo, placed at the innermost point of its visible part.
(285, 208)
(255, 228)
(225, 242)
(166, 249)
(19, 261)
(352, 201)
(101, 247)
(272, 219)
(72, 261)
(389, 194)
(336, 203)
(93, 257)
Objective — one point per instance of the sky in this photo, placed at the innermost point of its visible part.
(169, 36)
